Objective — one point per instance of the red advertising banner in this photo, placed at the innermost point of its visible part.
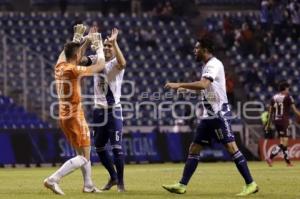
(267, 145)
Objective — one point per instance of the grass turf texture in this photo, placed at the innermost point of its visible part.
(211, 180)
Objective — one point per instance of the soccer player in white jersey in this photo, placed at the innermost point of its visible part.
(215, 123)
(108, 113)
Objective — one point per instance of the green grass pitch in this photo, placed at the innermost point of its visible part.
(211, 180)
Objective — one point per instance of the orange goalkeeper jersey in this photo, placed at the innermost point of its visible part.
(68, 88)
(71, 115)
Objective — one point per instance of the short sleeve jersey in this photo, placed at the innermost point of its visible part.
(215, 95)
(281, 105)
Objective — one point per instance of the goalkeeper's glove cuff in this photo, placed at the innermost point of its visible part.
(100, 54)
(77, 38)
(96, 41)
(97, 46)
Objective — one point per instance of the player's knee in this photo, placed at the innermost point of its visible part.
(118, 155)
(117, 151)
(87, 154)
(84, 158)
(195, 148)
(87, 157)
(283, 147)
(100, 149)
(232, 147)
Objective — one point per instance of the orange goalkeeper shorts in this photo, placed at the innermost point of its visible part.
(77, 131)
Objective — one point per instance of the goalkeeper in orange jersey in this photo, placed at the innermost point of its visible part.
(71, 116)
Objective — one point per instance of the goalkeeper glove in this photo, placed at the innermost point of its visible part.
(79, 30)
(96, 41)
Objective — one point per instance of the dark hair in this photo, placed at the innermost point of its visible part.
(71, 49)
(207, 43)
(283, 85)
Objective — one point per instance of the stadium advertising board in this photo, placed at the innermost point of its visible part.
(40, 146)
(267, 145)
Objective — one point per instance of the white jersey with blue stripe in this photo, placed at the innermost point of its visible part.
(107, 85)
(215, 96)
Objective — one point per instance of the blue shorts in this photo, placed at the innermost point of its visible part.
(218, 128)
(109, 125)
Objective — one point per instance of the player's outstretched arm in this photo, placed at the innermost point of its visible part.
(198, 85)
(85, 60)
(61, 57)
(184, 90)
(295, 110)
(84, 46)
(119, 55)
(97, 46)
(79, 30)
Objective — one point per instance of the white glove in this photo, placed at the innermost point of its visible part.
(79, 30)
(96, 41)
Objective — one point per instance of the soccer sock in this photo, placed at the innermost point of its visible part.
(86, 170)
(189, 168)
(119, 163)
(275, 151)
(107, 163)
(286, 154)
(68, 167)
(241, 164)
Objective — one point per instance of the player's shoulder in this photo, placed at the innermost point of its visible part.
(65, 68)
(60, 65)
(214, 62)
(275, 95)
(289, 97)
(64, 65)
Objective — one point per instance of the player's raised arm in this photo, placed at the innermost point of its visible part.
(61, 57)
(84, 46)
(79, 30)
(97, 46)
(86, 60)
(119, 55)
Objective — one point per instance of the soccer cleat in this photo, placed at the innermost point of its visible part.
(91, 189)
(121, 188)
(175, 188)
(53, 186)
(269, 162)
(249, 189)
(109, 185)
(289, 165)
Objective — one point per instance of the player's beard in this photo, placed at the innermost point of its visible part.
(107, 55)
(199, 58)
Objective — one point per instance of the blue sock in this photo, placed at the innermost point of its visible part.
(119, 163)
(189, 168)
(107, 163)
(241, 164)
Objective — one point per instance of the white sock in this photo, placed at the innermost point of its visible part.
(68, 167)
(86, 170)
